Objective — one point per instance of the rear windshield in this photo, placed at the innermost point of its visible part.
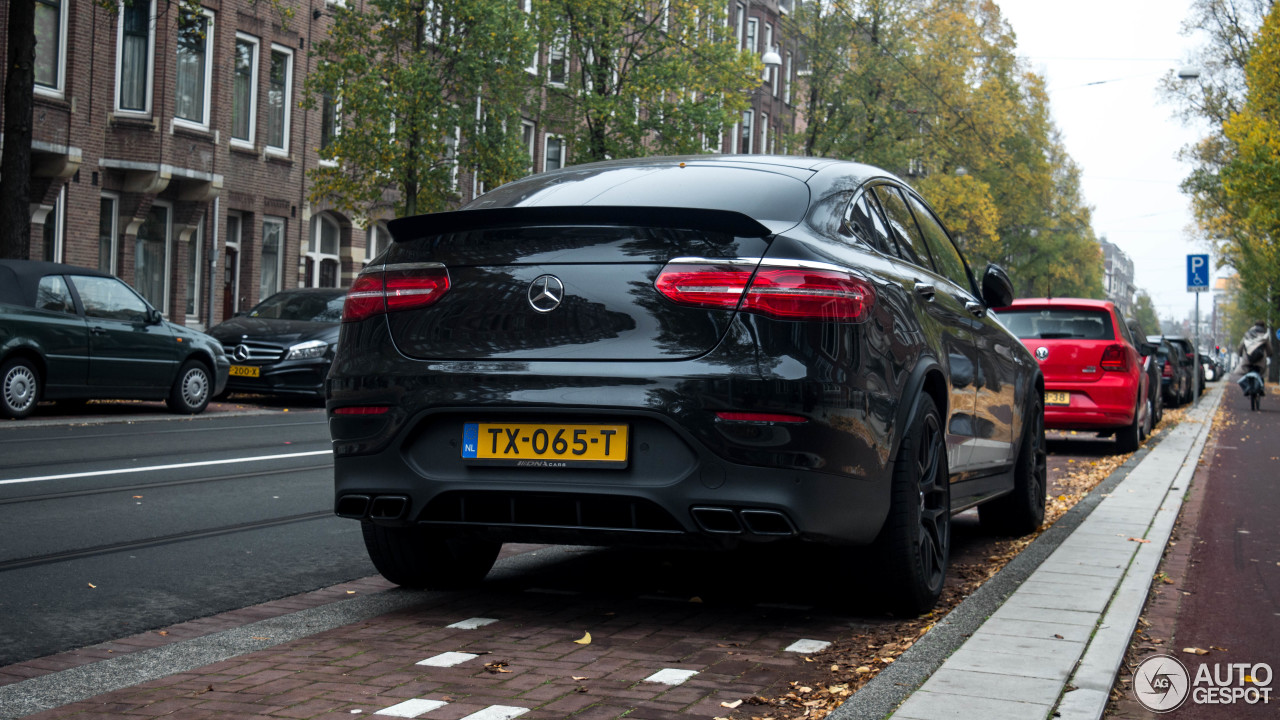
(311, 307)
(1058, 323)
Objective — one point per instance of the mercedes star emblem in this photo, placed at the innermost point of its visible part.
(241, 352)
(545, 293)
(1042, 352)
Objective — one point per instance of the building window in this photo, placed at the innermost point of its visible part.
(526, 6)
(555, 153)
(558, 62)
(320, 255)
(528, 131)
(272, 256)
(740, 31)
(752, 43)
(330, 125)
(770, 72)
(151, 256)
(194, 72)
(194, 253)
(51, 43)
(378, 240)
(135, 61)
(279, 99)
(108, 232)
(244, 91)
(54, 232)
(786, 78)
(451, 143)
(764, 132)
(747, 136)
(231, 283)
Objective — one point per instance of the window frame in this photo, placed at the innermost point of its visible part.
(195, 279)
(748, 133)
(529, 136)
(280, 222)
(149, 92)
(282, 150)
(372, 245)
(167, 249)
(114, 242)
(547, 139)
(233, 241)
(255, 63)
(57, 215)
(315, 253)
(206, 104)
(59, 88)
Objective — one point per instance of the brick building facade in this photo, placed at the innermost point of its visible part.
(170, 148)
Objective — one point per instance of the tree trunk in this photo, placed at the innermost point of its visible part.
(15, 164)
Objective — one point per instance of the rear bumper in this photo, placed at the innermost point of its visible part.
(1108, 403)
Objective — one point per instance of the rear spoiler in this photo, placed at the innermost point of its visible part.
(727, 221)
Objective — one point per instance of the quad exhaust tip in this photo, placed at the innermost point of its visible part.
(727, 521)
(381, 507)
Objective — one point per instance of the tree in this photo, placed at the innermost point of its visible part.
(1144, 312)
(638, 77)
(933, 89)
(15, 164)
(413, 90)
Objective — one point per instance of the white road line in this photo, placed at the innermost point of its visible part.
(175, 466)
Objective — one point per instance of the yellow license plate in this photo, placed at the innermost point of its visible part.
(546, 445)
(1057, 398)
(245, 370)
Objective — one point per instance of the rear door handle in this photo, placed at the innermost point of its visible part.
(96, 330)
(925, 290)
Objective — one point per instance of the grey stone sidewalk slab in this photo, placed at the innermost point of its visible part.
(1058, 602)
(1033, 647)
(1038, 691)
(940, 706)
(1044, 615)
(1037, 629)
(1056, 666)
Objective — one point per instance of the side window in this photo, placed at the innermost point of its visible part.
(52, 294)
(110, 299)
(944, 252)
(863, 221)
(904, 226)
(1124, 327)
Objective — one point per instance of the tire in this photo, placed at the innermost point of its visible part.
(190, 392)
(1129, 437)
(1022, 511)
(19, 388)
(419, 558)
(1157, 403)
(914, 545)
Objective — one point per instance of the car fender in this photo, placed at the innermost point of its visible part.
(926, 368)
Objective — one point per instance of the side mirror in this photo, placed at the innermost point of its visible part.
(153, 316)
(997, 289)
(1147, 349)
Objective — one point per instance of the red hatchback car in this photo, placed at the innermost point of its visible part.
(1093, 375)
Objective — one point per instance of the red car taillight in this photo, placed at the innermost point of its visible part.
(395, 287)
(1115, 358)
(1167, 371)
(781, 291)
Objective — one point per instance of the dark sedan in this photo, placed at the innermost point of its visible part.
(72, 333)
(284, 345)
(700, 351)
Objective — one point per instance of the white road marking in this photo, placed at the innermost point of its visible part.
(472, 623)
(497, 712)
(175, 466)
(807, 646)
(411, 708)
(671, 676)
(448, 659)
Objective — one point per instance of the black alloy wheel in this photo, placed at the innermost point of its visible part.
(1130, 436)
(915, 544)
(1022, 511)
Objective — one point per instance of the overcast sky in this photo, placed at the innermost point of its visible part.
(1102, 60)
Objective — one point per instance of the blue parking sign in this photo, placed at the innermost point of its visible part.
(1198, 273)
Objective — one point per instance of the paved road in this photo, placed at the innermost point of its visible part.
(149, 519)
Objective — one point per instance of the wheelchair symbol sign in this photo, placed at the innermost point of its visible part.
(1198, 273)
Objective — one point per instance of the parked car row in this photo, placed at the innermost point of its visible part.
(73, 334)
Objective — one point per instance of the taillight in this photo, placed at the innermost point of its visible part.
(1168, 369)
(391, 288)
(800, 291)
(1115, 358)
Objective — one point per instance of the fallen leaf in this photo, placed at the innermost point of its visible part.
(731, 705)
(1140, 540)
(584, 640)
(1219, 649)
(835, 668)
(695, 599)
(804, 689)
(497, 666)
(137, 497)
(579, 677)
(351, 592)
(1058, 636)
(95, 587)
(580, 689)
(863, 669)
(1195, 651)
(163, 632)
